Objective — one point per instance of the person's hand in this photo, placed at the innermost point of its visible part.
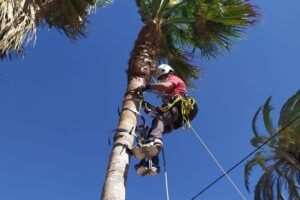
(142, 89)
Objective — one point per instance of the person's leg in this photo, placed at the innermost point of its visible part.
(157, 128)
(154, 143)
(152, 146)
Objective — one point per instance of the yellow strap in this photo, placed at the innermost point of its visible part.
(187, 104)
(166, 108)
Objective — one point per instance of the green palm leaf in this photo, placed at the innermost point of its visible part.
(278, 187)
(290, 110)
(189, 26)
(281, 158)
(264, 187)
(267, 118)
(254, 120)
(257, 160)
(258, 140)
(212, 25)
(207, 26)
(144, 9)
(178, 58)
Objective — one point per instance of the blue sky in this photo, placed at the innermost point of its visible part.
(58, 106)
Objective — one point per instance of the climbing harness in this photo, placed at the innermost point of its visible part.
(186, 104)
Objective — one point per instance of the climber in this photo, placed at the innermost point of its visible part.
(176, 111)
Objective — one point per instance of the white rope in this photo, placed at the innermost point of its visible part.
(167, 187)
(166, 175)
(217, 162)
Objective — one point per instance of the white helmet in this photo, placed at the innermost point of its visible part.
(163, 69)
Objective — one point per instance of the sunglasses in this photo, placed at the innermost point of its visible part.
(164, 76)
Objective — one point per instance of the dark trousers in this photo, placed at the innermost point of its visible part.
(160, 122)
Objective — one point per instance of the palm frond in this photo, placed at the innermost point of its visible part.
(69, 16)
(183, 68)
(163, 5)
(212, 25)
(267, 118)
(293, 190)
(100, 3)
(254, 120)
(190, 25)
(288, 157)
(278, 188)
(19, 20)
(178, 58)
(156, 4)
(17, 26)
(281, 158)
(258, 140)
(144, 9)
(290, 110)
(264, 187)
(166, 4)
(257, 160)
(172, 8)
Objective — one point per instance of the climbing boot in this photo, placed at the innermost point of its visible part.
(147, 168)
(139, 151)
(142, 168)
(154, 168)
(152, 147)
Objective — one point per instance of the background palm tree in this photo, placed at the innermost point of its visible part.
(173, 32)
(20, 19)
(280, 158)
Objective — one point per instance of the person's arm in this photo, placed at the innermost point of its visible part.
(165, 86)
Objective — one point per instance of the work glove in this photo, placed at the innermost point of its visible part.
(149, 109)
(142, 89)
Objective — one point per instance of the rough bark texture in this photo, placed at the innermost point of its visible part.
(141, 63)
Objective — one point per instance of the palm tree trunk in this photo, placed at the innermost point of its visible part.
(141, 63)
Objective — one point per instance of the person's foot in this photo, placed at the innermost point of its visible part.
(152, 147)
(139, 151)
(147, 168)
(148, 149)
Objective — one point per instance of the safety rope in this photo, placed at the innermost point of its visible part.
(218, 163)
(166, 174)
(246, 157)
(186, 105)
